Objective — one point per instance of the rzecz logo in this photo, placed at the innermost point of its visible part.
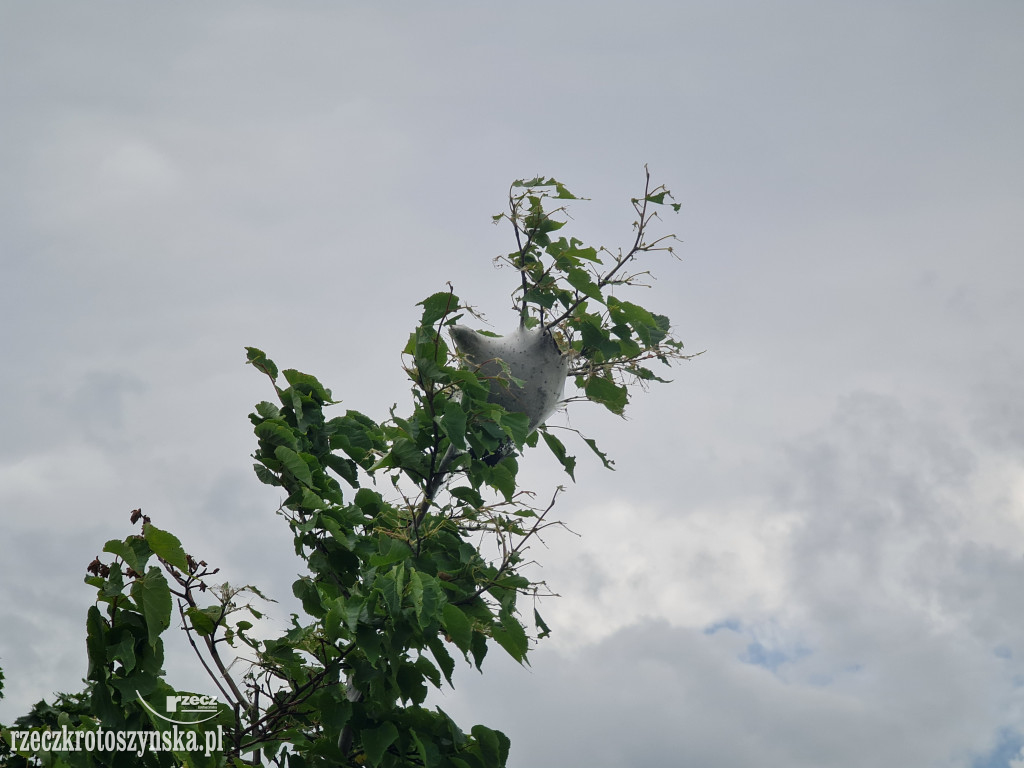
(186, 703)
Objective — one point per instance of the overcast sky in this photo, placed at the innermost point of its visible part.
(812, 551)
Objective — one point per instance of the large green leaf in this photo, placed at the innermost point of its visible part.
(345, 468)
(96, 643)
(458, 627)
(376, 740)
(165, 545)
(204, 620)
(390, 550)
(494, 745)
(453, 424)
(581, 280)
(605, 391)
(437, 306)
(307, 385)
(294, 464)
(134, 551)
(502, 477)
(390, 586)
(427, 597)
(510, 635)
(515, 425)
(443, 658)
(153, 596)
(276, 432)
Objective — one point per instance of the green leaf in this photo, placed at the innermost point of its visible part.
(353, 433)
(308, 385)
(370, 641)
(122, 650)
(443, 658)
(596, 337)
(165, 545)
(536, 181)
(376, 740)
(563, 193)
(555, 445)
(265, 475)
(592, 444)
(410, 679)
(509, 634)
(102, 705)
(437, 306)
(544, 630)
(276, 432)
(390, 586)
(202, 622)
(294, 464)
(311, 501)
(493, 745)
(345, 617)
(651, 329)
(346, 469)
(134, 551)
(391, 550)
(267, 410)
(502, 477)
(469, 495)
(369, 501)
(470, 383)
(479, 648)
(515, 425)
(580, 280)
(304, 589)
(404, 455)
(114, 583)
(458, 627)
(453, 424)
(427, 597)
(153, 595)
(605, 391)
(260, 361)
(428, 759)
(96, 644)
(355, 607)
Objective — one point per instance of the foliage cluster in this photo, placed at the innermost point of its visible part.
(414, 540)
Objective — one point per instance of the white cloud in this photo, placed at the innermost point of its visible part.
(691, 566)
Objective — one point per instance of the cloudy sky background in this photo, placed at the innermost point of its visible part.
(812, 550)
